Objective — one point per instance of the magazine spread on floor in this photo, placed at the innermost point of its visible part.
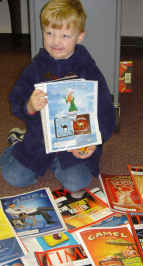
(122, 193)
(137, 173)
(78, 213)
(110, 246)
(33, 213)
(45, 243)
(136, 223)
(70, 119)
(99, 227)
(114, 220)
(65, 256)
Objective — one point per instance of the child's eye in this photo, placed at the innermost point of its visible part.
(66, 36)
(49, 33)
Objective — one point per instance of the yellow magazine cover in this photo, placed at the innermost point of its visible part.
(55, 239)
(11, 247)
(7, 231)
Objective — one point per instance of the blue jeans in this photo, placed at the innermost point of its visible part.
(72, 178)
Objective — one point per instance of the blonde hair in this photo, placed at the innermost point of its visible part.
(57, 12)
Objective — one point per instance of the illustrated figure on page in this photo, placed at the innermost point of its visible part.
(125, 197)
(71, 100)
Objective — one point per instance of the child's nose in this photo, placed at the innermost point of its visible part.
(56, 40)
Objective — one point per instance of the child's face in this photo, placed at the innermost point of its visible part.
(60, 43)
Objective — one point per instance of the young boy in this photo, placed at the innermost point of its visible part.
(63, 28)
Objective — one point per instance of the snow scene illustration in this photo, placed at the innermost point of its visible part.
(72, 114)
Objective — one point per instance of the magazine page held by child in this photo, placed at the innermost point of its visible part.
(70, 119)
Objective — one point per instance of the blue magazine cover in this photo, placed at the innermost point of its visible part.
(33, 213)
(114, 220)
(70, 118)
(14, 263)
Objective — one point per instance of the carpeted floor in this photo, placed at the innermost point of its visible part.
(125, 147)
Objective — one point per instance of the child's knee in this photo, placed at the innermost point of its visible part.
(74, 178)
(16, 179)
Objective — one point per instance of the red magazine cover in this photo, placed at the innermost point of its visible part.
(137, 173)
(122, 193)
(110, 246)
(69, 255)
(78, 213)
(126, 74)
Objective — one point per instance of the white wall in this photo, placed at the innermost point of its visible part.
(5, 25)
(131, 17)
(4, 17)
(24, 17)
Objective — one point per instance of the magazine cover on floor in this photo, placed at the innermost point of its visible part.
(33, 213)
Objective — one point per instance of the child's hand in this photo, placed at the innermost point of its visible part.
(83, 153)
(37, 101)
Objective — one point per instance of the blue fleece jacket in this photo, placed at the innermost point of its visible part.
(31, 152)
